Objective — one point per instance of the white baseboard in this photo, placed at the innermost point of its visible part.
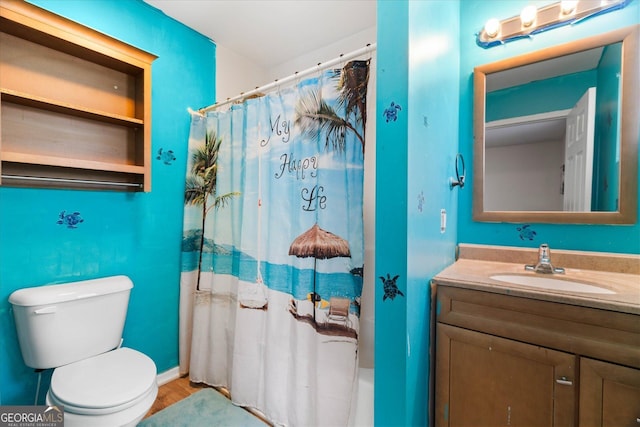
(168, 376)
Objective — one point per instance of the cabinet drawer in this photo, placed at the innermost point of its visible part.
(585, 331)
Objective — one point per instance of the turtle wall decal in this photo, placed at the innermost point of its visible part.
(390, 287)
(70, 220)
(391, 113)
(526, 233)
(167, 157)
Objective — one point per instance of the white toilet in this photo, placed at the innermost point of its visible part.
(76, 328)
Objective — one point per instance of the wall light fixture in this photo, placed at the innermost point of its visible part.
(528, 16)
(534, 20)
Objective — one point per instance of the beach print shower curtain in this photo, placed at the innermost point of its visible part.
(273, 248)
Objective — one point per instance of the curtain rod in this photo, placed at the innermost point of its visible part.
(297, 75)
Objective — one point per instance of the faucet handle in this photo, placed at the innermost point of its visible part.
(544, 262)
(544, 253)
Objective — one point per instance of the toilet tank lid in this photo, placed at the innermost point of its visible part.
(53, 294)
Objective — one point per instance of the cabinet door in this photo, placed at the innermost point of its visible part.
(609, 394)
(483, 380)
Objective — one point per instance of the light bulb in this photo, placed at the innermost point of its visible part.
(492, 27)
(528, 15)
(568, 6)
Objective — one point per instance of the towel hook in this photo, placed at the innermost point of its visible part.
(459, 180)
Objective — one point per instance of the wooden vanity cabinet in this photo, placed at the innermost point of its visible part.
(75, 104)
(494, 381)
(503, 360)
(609, 394)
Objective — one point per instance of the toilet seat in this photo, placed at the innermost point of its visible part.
(103, 384)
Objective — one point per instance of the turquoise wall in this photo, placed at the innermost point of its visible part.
(134, 234)
(473, 15)
(418, 68)
(392, 94)
(552, 94)
(606, 147)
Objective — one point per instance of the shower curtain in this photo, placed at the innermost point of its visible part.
(273, 250)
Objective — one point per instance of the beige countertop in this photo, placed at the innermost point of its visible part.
(477, 263)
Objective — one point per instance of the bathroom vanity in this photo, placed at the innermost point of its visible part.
(537, 355)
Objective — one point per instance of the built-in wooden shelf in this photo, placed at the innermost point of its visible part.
(75, 104)
(67, 162)
(42, 103)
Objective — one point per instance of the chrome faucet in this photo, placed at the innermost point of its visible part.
(544, 265)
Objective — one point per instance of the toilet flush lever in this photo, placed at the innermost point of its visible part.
(46, 310)
(564, 381)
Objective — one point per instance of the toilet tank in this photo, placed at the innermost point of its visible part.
(61, 324)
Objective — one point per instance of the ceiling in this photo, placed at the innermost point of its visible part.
(526, 132)
(554, 67)
(272, 32)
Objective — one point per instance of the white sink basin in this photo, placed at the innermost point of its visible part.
(545, 282)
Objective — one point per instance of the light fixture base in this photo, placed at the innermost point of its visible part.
(548, 17)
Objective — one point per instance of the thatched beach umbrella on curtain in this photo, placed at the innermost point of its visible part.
(319, 244)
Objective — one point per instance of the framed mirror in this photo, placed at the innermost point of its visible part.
(556, 133)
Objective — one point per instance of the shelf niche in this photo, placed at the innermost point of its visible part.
(75, 105)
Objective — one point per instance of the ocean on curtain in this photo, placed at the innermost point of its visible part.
(273, 248)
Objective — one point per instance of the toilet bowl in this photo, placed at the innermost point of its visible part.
(116, 388)
(76, 328)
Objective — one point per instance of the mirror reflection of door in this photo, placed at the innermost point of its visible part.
(526, 113)
(524, 161)
(578, 156)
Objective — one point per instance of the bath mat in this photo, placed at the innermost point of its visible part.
(204, 408)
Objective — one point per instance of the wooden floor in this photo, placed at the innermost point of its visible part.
(179, 389)
(173, 392)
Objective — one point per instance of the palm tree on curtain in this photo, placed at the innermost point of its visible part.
(200, 185)
(313, 114)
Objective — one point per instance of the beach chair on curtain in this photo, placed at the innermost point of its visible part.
(339, 311)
